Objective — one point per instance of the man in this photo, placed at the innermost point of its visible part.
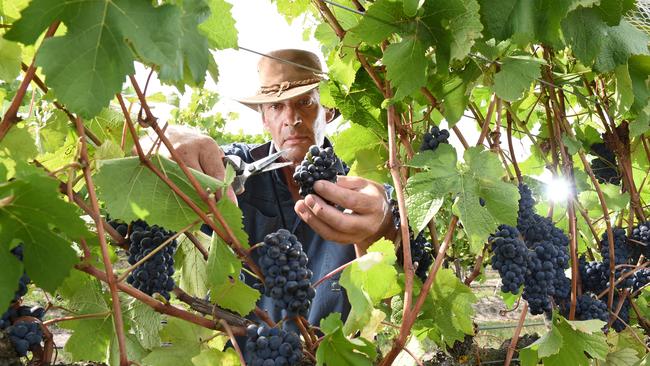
(288, 102)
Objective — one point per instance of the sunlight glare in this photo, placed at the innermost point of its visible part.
(558, 190)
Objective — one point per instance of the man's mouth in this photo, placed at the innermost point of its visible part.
(294, 140)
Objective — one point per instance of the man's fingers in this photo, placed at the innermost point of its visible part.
(354, 183)
(348, 198)
(324, 230)
(341, 221)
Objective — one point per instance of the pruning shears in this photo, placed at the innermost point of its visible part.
(244, 170)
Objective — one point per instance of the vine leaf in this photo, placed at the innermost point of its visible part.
(451, 26)
(32, 213)
(479, 177)
(187, 341)
(613, 10)
(222, 271)
(193, 61)
(12, 270)
(104, 35)
(622, 41)
(368, 281)
(211, 357)
(382, 19)
(291, 9)
(90, 338)
(527, 21)
(336, 349)
(568, 343)
(146, 323)
(406, 66)
(192, 266)
(220, 26)
(422, 201)
(10, 58)
(515, 77)
(132, 191)
(448, 311)
(585, 30)
(622, 357)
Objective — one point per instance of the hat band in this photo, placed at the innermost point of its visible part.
(286, 85)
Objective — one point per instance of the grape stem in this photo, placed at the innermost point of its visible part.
(233, 340)
(103, 314)
(515, 338)
(197, 244)
(112, 285)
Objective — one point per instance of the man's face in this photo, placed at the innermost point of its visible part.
(295, 124)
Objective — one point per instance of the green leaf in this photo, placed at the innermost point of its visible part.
(450, 310)
(515, 77)
(405, 66)
(193, 60)
(621, 42)
(127, 188)
(10, 58)
(291, 9)
(451, 26)
(220, 26)
(103, 34)
(353, 139)
(527, 20)
(568, 343)
(236, 296)
(186, 341)
(585, 31)
(342, 66)
(33, 213)
(211, 357)
(12, 8)
(360, 103)
(336, 349)
(369, 280)
(18, 144)
(91, 337)
(454, 92)
(621, 357)
(639, 70)
(613, 10)
(381, 20)
(193, 278)
(422, 203)
(235, 220)
(146, 322)
(482, 179)
(12, 270)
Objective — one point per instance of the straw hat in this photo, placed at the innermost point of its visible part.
(285, 74)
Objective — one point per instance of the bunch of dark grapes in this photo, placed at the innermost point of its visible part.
(24, 334)
(588, 307)
(604, 165)
(287, 278)
(318, 164)
(547, 256)
(434, 138)
(622, 250)
(510, 257)
(640, 278)
(272, 347)
(155, 274)
(641, 238)
(422, 254)
(594, 275)
(120, 226)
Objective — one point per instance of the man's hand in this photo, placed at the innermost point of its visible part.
(197, 151)
(369, 220)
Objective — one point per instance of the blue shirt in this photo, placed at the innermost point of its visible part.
(267, 206)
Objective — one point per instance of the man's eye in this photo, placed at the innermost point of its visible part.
(307, 102)
(276, 106)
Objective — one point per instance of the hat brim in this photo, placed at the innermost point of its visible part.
(256, 100)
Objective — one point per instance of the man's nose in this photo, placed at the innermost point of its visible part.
(292, 117)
